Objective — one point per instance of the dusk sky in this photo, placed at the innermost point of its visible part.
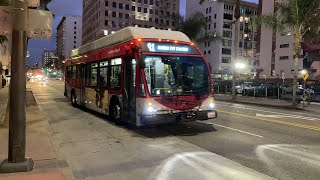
(61, 8)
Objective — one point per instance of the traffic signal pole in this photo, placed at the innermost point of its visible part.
(17, 162)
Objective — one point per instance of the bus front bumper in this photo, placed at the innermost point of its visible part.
(178, 117)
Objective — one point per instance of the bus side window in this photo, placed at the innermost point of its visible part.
(74, 72)
(69, 72)
(94, 74)
(115, 73)
(103, 74)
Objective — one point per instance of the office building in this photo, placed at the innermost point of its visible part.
(103, 17)
(219, 16)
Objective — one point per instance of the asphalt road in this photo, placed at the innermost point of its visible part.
(279, 143)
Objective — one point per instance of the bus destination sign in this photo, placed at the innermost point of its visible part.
(168, 48)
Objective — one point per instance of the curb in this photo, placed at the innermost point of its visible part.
(262, 105)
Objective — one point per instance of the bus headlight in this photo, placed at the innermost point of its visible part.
(211, 105)
(151, 108)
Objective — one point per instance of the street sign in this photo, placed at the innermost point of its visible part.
(39, 24)
(305, 76)
(304, 97)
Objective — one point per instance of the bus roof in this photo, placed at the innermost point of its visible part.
(128, 34)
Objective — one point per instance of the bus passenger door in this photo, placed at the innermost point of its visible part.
(129, 93)
(82, 83)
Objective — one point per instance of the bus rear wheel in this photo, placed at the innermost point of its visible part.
(116, 112)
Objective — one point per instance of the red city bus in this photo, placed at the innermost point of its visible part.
(141, 76)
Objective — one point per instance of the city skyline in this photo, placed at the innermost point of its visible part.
(67, 7)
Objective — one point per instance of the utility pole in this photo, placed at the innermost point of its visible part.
(17, 162)
(235, 47)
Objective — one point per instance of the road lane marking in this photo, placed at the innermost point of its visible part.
(236, 130)
(283, 114)
(273, 120)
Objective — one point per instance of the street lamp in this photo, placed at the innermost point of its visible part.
(240, 65)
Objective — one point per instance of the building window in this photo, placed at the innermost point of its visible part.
(209, 27)
(106, 22)
(214, 25)
(283, 57)
(227, 34)
(209, 52)
(145, 10)
(157, 12)
(207, 11)
(114, 14)
(127, 6)
(204, 52)
(106, 3)
(106, 13)
(120, 6)
(120, 15)
(139, 9)
(126, 16)
(133, 8)
(146, 1)
(75, 22)
(139, 1)
(151, 2)
(226, 60)
(227, 16)
(114, 4)
(215, 16)
(226, 51)
(157, 3)
(75, 32)
(284, 45)
(75, 27)
(74, 37)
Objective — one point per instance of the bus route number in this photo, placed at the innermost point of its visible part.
(42, 32)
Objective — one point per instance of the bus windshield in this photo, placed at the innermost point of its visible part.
(176, 75)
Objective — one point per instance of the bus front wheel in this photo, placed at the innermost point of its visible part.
(115, 112)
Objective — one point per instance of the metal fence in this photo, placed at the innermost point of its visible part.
(268, 90)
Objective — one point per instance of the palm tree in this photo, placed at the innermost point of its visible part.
(297, 17)
(192, 26)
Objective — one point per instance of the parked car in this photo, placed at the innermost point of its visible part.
(270, 89)
(244, 87)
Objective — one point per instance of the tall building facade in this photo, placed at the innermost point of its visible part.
(69, 37)
(275, 55)
(103, 17)
(49, 58)
(219, 16)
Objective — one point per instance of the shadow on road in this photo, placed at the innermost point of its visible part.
(173, 129)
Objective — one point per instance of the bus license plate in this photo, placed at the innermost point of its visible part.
(211, 115)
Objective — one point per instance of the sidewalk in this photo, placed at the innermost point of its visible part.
(3, 103)
(38, 144)
(313, 107)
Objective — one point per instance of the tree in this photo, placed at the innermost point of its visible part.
(297, 17)
(192, 26)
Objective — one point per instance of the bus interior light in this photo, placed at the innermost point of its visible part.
(159, 40)
(192, 44)
(139, 39)
(175, 41)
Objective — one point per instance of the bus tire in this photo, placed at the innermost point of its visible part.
(115, 114)
(73, 99)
